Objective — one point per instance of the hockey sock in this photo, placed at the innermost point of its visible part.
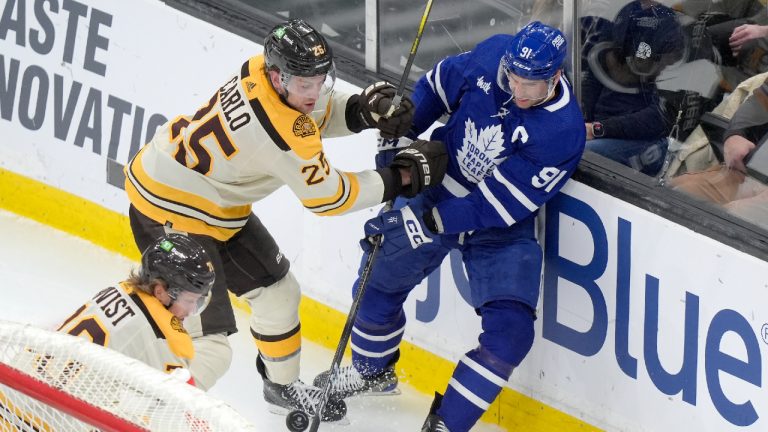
(374, 347)
(482, 373)
(476, 381)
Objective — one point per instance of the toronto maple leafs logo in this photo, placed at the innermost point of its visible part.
(479, 152)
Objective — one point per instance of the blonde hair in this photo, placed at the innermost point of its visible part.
(143, 284)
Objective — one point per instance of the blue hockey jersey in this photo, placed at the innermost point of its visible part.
(505, 162)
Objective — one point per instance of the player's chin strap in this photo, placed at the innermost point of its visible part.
(173, 294)
(550, 91)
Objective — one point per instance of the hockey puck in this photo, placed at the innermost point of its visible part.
(297, 421)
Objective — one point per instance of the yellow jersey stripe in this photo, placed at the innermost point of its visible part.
(288, 128)
(279, 346)
(11, 415)
(354, 191)
(135, 173)
(313, 203)
(162, 320)
(178, 221)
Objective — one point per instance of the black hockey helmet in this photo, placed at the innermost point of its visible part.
(297, 49)
(181, 263)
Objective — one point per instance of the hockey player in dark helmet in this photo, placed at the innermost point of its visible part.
(264, 128)
(179, 272)
(300, 64)
(143, 317)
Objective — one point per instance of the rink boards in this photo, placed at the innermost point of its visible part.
(642, 324)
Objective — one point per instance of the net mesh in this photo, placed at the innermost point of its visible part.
(104, 379)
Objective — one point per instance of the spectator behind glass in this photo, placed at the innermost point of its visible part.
(624, 118)
(738, 32)
(729, 184)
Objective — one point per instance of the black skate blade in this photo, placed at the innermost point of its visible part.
(276, 409)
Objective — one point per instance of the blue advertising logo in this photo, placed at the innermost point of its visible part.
(590, 342)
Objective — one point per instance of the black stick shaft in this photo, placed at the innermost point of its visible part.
(346, 333)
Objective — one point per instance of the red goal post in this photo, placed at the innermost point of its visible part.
(56, 382)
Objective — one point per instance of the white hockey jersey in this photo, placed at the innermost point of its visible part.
(202, 173)
(135, 324)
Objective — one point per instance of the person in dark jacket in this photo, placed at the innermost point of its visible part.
(624, 118)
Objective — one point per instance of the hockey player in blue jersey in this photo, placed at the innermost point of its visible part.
(514, 136)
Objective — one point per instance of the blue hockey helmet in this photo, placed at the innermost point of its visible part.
(536, 52)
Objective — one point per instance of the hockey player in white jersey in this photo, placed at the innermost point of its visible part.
(514, 136)
(261, 130)
(143, 316)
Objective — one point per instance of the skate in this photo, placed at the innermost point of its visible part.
(297, 396)
(283, 399)
(349, 382)
(435, 423)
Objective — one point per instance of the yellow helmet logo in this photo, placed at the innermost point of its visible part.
(318, 50)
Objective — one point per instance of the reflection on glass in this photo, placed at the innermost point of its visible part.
(342, 22)
(720, 99)
(454, 26)
(622, 60)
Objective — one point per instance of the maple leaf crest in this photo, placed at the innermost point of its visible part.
(479, 150)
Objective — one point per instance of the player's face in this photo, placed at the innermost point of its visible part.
(186, 304)
(303, 92)
(528, 92)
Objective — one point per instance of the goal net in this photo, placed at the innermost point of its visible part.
(56, 382)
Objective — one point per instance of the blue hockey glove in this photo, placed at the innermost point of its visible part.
(401, 230)
(388, 148)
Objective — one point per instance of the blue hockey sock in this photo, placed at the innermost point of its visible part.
(476, 381)
(482, 373)
(374, 347)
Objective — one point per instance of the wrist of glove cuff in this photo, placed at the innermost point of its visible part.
(353, 114)
(393, 183)
(432, 221)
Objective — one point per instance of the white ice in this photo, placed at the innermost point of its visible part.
(46, 274)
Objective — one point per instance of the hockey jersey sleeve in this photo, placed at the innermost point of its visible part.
(439, 92)
(325, 190)
(331, 120)
(521, 184)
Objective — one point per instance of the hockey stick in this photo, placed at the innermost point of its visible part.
(412, 55)
(347, 332)
(297, 420)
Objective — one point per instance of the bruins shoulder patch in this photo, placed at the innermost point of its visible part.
(304, 126)
(176, 325)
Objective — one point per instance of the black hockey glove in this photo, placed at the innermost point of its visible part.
(427, 161)
(369, 109)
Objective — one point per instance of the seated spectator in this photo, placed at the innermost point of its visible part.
(738, 30)
(143, 316)
(729, 184)
(624, 118)
(695, 153)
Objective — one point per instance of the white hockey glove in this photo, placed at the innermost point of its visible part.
(183, 375)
